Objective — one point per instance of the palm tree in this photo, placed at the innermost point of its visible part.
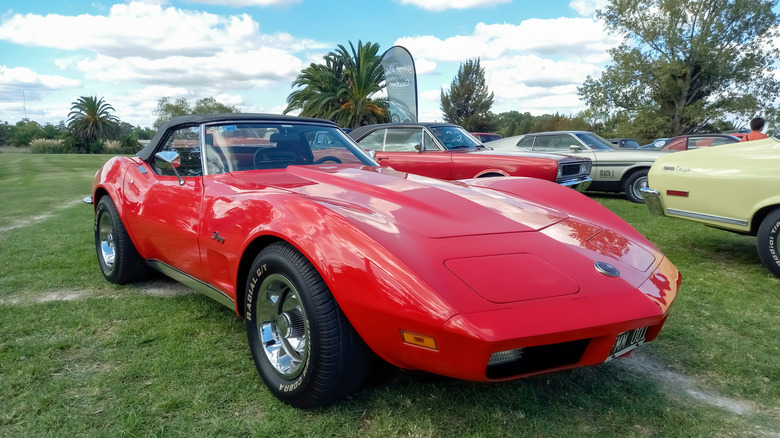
(341, 89)
(90, 119)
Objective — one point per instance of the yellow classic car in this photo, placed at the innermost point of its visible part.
(735, 187)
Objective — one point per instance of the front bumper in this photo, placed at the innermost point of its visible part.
(578, 184)
(653, 201)
(550, 334)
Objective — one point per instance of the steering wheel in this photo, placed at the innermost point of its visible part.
(327, 158)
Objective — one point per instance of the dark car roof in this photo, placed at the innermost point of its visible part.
(361, 132)
(196, 119)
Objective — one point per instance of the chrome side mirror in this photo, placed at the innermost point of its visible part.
(169, 160)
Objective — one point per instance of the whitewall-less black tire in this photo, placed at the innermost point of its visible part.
(303, 346)
(767, 242)
(119, 261)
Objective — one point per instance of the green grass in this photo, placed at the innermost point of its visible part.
(118, 362)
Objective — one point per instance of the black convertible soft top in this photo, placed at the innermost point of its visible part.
(197, 119)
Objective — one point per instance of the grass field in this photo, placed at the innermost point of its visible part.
(80, 357)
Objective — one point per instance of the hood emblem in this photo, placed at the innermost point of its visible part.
(607, 269)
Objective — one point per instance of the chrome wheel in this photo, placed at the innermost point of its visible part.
(106, 239)
(282, 326)
(637, 187)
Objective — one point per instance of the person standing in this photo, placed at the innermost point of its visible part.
(756, 125)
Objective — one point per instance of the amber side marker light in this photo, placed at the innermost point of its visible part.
(418, 340)
(677, 193)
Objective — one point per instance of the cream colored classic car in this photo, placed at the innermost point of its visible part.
(735, 187)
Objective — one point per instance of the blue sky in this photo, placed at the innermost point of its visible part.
(247, 52)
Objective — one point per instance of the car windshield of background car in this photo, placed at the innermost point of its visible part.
(243, 146)
(453, 137)
(594, 141)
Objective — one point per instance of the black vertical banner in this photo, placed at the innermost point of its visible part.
(401, 81)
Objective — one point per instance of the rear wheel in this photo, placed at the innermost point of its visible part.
(303, 346)
(634, 185)
(119, 260)
(767, 242)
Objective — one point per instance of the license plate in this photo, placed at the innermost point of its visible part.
(627, 341)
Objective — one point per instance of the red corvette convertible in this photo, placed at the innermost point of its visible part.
(329, 257)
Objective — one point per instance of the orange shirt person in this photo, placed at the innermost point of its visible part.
(756, 125)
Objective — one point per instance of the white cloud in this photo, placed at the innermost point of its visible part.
(140, 51)
(245, 3)
(15, 81)
(243, 70)
(533, 66)
(577, 37)
(441, 5)
(144, 30)
(424, 66)
(587, 8)
(515, 75)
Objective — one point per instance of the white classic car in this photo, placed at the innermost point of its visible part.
(735, 187)
(613, 170)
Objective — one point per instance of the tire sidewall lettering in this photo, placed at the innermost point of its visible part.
(253, 286)
(253, 282)
(767, 241)
(772, 244)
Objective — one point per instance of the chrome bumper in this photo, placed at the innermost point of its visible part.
(578, 184)
(653, 201)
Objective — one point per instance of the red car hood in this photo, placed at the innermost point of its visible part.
(429, 207)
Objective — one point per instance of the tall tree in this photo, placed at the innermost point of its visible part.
(468, 101)
(684, 64)
(91, 119)
(166, 110)
(342, 88)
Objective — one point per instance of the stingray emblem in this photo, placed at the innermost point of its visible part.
(607, 269)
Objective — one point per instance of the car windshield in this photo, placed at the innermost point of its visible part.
(255, 145)
(455, 137)
(594, 141)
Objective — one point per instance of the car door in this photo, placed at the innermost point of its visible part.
(162, 213)
(409, 149)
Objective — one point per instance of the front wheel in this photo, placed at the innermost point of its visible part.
(634, 185)
(766, 241)
(303, 346)
(119, 261)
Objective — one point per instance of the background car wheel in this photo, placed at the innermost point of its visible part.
(303, 346)
(766, 241)
(634, 184)
(119, 260)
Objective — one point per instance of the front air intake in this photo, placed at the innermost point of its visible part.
(534, 359)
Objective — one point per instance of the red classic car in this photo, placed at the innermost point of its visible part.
(695, 141)
(447, 151)
(328, 256)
